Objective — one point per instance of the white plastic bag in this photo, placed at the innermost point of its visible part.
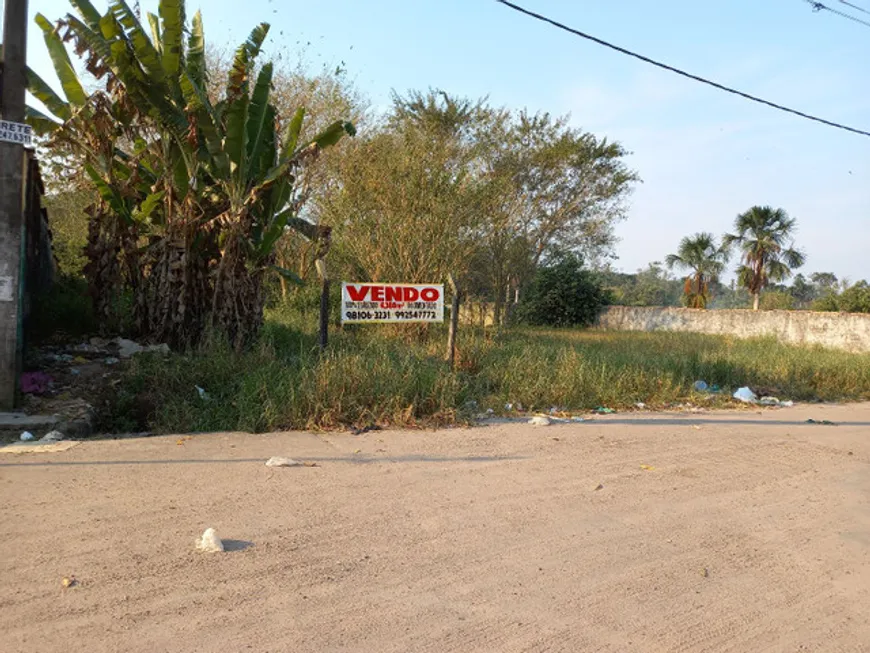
(278, 461)
(746, 396)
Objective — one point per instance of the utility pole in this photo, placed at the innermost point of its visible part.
(12, 199)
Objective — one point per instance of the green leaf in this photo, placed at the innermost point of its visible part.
(88, 13)
(261, 130)
(273, 233)
(146, 53)
(207, 121)
(45, 94)
(154, 22)
(146, 208)
(72, 87)
(196, 51)
(243, 61)
(236, 136)
(39, 121)
(91, 36)
(291, 138)
(288, 274)
(172, 14)
(109, 195)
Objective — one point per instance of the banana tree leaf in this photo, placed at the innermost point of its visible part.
(291, 137)
(146, 53)
(109, 195)
(260, 128)
(72, 87)
(196, 51)
(146, 208)
(273, 233)
(154, 23)
(88, 13)
(39, 121)
(247, 52)
(45, 94)
(288, 274)
(235, 139)
(172, 14)
(92, 37)
(199, 104)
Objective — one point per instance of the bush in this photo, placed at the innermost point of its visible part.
(856, 299)
(562, 294)
(776, 300)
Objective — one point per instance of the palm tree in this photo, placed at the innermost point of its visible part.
(705, 260)
(764, 236)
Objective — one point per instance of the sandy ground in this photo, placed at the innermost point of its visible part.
(750, 532)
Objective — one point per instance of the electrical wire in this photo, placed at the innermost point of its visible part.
(849, 4)
(818, 6)
(683, 73)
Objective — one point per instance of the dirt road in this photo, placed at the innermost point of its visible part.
(741, 532)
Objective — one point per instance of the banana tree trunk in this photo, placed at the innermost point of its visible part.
(756, 298)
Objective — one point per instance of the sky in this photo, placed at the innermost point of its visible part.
(704, 155)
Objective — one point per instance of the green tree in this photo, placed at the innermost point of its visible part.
(705, 261)
(561, 294)
(763, 236)
(212, 184)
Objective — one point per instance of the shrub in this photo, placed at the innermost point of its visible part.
(562, 294)
(776, 300)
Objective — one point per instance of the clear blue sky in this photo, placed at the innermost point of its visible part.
(704, 155)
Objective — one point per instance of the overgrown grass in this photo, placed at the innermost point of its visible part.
(374, 375)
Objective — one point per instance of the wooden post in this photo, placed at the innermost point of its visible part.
(324, 303)
(11, 200)
(454, 323)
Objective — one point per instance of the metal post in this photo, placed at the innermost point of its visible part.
(12, 199)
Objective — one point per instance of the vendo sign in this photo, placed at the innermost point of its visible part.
(391, 302)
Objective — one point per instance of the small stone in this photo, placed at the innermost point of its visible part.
(209, 542)
(600, 487)
(52, 436)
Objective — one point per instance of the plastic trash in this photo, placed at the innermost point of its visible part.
(540, 420)
(601, 410)
(701, 386)
(52, 436)
(27, 436)
(209, 542)
(746, 396)
(111, 360)
(640, 405)
(578, 419)
(202, 393)
(278, 461)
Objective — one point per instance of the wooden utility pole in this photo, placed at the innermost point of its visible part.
(324, 303)
(12, 199)
(454, 322)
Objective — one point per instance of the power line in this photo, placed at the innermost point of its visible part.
(849, 4)
(818, 6)
(677, 70)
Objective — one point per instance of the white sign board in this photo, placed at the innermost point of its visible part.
(391, 302)
(16, 132)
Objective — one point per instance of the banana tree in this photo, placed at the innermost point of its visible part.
(221, 182)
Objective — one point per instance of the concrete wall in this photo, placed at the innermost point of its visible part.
(849, 331)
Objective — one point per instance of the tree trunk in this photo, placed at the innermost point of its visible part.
(756, 297)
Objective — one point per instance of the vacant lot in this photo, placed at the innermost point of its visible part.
(736, 531)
